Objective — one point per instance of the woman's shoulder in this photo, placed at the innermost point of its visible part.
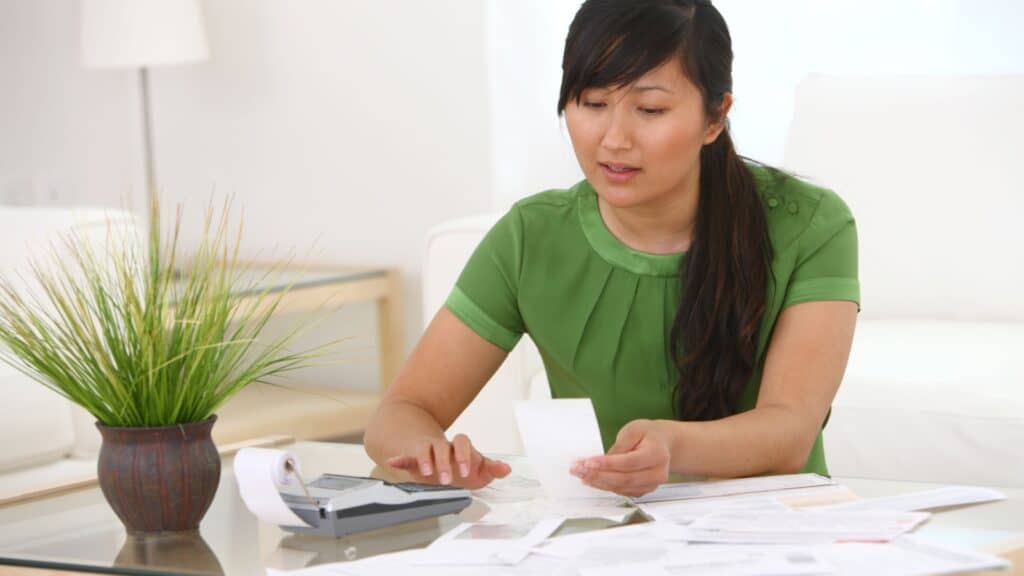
(549, 201)
(795, 206)
(548, 210)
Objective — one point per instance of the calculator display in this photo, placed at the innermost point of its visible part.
(330, 482)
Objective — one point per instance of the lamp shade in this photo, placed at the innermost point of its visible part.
(141, 33)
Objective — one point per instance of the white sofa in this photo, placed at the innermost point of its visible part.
(929, 166)
(46, 440)
(49, 444)
(934, 390)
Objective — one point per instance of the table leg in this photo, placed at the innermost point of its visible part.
(390, 339)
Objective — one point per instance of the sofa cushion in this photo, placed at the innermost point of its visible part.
(35, 422)
(937, 216)
(931, 401)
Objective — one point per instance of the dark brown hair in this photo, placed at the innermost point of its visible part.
(726, 273)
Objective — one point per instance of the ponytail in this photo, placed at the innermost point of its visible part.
(725, 280)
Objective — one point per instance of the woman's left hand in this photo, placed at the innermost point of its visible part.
(637, 463)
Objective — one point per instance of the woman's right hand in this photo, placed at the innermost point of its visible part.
(438, 461)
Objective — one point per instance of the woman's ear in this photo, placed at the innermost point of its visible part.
(716, 125)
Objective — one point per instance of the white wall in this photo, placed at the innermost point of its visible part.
(67, 135)
(344, 129)
(776, 44)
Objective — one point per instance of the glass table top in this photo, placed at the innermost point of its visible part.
(77, 530)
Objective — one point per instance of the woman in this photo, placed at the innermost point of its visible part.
(705, 304)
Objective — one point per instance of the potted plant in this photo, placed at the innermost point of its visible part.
(150, 344)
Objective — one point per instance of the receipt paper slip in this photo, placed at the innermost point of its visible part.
(556, 434)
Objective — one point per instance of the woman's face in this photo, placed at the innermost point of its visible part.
(640, 144)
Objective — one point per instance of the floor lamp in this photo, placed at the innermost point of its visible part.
(141, 34)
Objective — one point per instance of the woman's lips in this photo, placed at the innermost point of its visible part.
(618, 172)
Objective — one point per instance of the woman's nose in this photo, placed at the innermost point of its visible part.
(617, 133)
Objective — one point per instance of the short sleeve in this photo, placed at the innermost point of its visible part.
(826, 267)
(485, 296)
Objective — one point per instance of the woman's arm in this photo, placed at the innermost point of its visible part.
(805, 363)
(446, 370)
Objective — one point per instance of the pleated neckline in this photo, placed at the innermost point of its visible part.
(611, 249)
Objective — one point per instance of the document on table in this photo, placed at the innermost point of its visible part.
(651, 537)
(405, 563)
(712, 488)
(659, 548)
(906, 555)
(556, 434)
(924, 500)
(687, 511)
(486, 543)
(723, 560)
(803, 527)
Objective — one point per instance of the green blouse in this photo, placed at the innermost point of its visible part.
(600, 312)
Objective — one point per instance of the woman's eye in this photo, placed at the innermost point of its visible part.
(593, 104)
(652, 111)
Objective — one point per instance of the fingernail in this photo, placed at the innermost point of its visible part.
(593, 464)
(426, 471)
(464, 470)
(446, 478)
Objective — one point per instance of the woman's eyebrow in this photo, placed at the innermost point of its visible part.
(649, 87)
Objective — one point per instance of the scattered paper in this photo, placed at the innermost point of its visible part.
(486, 543)
(803, 527)
(687, 511)
(925, 500)
(613, 510)
(907, 556)
(652, 538)
(405, 563)
(724, 560)
(711, 488)
(556, 434)
(261, 473)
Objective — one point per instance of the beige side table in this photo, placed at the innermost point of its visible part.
(317, 286)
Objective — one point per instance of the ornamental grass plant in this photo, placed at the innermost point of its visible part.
(141, 336)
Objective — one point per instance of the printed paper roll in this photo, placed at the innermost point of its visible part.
(260, 474)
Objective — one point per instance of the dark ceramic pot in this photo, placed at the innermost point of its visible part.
(159, 479)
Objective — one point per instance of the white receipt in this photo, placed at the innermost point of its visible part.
(260, 473)
(555, 434)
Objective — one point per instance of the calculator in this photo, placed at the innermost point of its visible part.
(337, 505)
